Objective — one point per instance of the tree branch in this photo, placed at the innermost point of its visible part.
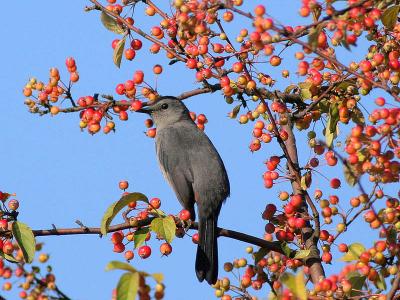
(236, 235)
(395, 287)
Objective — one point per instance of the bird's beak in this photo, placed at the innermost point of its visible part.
(145, 110)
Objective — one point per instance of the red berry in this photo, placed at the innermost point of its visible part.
(136, 105)
(136, 44)
(129, 255)
(3, 224)
(275, 61)
(300, 223)
(195, 238)
(144, 251)
(114, 43)
(326, 257)
(281, 235)
(151, 133)
(138, 77)
(165, 249)
(117, 237)
(130, 54)
(155, 203)
(120, 89)
(191, 63)
(8, 247)
(123, 184)
(70, 62)
(119, 248)
(343, 248)
(184, 215)
(123, 115)
(335, 183)
(269, 228)
(269, 211)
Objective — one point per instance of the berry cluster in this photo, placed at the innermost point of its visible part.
(8, 212)
(13, 268)
(135, 213)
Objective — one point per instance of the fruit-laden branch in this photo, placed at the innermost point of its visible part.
(310, 235)
(294, 38)
(110, 102)
(304, 31)
(272, 246)
(135, 29)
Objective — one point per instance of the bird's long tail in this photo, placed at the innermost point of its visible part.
(207, 250)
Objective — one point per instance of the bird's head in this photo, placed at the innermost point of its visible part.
(166, 111)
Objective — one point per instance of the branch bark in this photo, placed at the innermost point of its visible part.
(310, 235)
(395, 287)
(236, 235)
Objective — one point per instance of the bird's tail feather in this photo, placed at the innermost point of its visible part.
(207, 250)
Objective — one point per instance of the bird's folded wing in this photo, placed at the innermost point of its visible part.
(173, 164)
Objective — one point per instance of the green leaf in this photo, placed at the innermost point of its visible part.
(173, 61)
(357, 116)
(118, 265)
(343, 41)
(8, 257)
(128, 286)
(380, 283)
(389, 16)
(157, 212)
(306, 180)
(349, 175)
(140, 236)
(323, 106)
(159, 277)
(118, 51)
(290, 88)
(333, 117)
(345, 84)
(391, 235)
(305, 85)
(329, 137)
(357, 281)
(305, 94)
(362, 155)
(313, 37)
(316, 11)
(164, 227)
(286, 249)
(235, 111)
(305, 90)
(302, 254)
(354, 252)
(295, 283)
(260, 254)
(25, 239)
(331, 126)
(115, 208)
(110, 23)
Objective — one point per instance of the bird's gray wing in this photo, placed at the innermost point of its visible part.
(173, 164)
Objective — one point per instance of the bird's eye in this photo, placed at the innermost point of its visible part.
(164, 106)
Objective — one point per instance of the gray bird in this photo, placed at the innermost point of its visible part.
(195, 171)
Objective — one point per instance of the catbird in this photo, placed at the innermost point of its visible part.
(195, 171)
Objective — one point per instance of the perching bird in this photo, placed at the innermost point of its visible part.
(194, 169)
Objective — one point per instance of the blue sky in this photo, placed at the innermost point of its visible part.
(61, 175)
